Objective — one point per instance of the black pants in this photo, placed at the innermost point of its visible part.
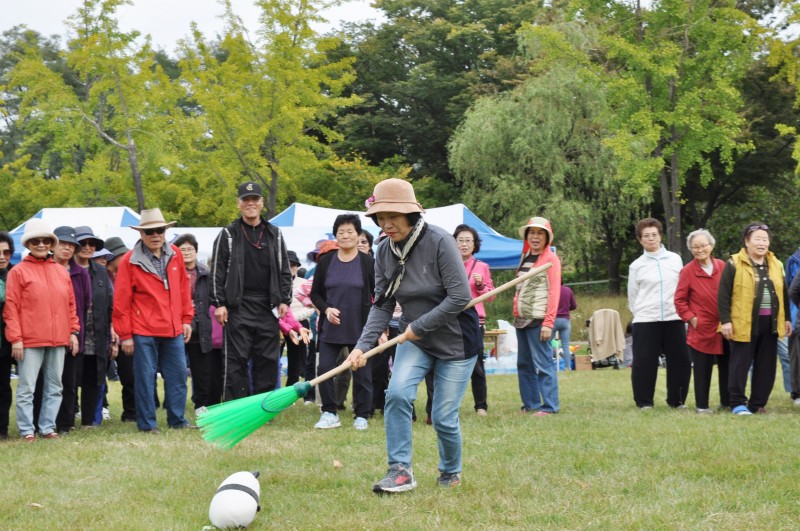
(702, 367)
(649, 341)
(762, 354)
(252, 334)
(5, 393)
(794, 363)
(296, 358)
(90, 371)
(127, 380)
(362, 381)
(206, 375)
(341, 382)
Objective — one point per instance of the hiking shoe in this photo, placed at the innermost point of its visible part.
(704, 410)
(741, 410)
(328, 421)
(449, 480)
(397, 479)
(360, 424)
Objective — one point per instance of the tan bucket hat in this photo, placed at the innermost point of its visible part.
(540, 222)
(36, 228)
(393, 195)
(152, 219)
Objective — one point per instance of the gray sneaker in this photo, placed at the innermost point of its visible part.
(397, 479)
(449, 480)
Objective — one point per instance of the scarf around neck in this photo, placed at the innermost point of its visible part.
(402, 255)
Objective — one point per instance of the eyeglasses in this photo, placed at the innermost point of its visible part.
(40, 241)
(6, 252)
(700, 247)
(753, 228)
(150, 232)
(460, 240)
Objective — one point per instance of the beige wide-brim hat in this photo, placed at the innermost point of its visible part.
(393, 195)
(36, 228)
(540, 222)
(152, 219)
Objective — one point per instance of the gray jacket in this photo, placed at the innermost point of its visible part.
(433, 293)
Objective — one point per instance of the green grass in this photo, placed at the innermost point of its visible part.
(599, 464)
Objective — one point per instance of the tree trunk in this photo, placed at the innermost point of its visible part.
(674, 225)
(137, 177)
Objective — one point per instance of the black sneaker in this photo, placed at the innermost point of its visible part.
(449, 480)
(397, 479)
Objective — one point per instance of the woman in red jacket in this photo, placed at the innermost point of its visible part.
(696, 303)
(41, 321)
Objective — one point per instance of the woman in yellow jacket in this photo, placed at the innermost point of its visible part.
(754, 313)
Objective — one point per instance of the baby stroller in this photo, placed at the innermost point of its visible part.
(606, 339)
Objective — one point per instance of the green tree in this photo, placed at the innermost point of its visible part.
(264, 105)
(419, 71)
(115, 118)
(674, 70)
(539, 149)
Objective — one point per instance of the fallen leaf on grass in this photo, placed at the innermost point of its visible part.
(337, 464)
(36, 505)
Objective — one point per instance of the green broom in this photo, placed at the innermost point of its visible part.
(226, 424)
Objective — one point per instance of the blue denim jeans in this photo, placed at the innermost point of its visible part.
(51, 359)
(537, 374)
(563, 327)
(150, 355)
(411, 364)
(786, 370)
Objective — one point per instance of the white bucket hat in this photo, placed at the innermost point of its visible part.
(36, 228)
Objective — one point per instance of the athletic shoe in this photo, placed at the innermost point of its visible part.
(360, 423)
(29, 438)
(199, 411)
(645, 408)
(704, 410)
(741, 410)
(327, 421)
(480, 412)
(51, 435)
(106, 414)
(682, 406)
(78, 415)
(761, 411)
(543, 413)
(449, 480)
(797, 401)
(397, 479)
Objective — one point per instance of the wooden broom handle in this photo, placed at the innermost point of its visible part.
(380, 348)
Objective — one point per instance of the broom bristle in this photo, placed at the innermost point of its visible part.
(226, 424)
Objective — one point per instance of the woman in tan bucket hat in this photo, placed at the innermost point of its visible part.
(419, 267)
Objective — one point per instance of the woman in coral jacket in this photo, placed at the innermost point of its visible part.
(696, 303)
(41, 321)
(535, 308)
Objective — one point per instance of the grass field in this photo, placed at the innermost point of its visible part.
(599, 464)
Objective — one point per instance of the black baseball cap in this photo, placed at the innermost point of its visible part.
(249, 189)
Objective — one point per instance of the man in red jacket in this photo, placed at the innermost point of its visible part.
(153, 318)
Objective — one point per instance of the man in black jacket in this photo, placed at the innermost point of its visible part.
(251, 286)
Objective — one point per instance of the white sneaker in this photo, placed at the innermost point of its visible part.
(199, 411)
(106, 414)
(360, 424)
(797, 401)
(78, 414)
(328, 421)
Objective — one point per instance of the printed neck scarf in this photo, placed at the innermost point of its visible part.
(402, 256)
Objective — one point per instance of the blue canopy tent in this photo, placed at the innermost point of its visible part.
(303, 225)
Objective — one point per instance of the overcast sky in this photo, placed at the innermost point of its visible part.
(165, 20)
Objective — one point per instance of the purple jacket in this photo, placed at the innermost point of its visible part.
(566, 303)
(82, 286)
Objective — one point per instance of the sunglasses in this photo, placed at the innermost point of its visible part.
(87, 243)
(753, 228)
(40, 241)
(6, 252)
(150, 232)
